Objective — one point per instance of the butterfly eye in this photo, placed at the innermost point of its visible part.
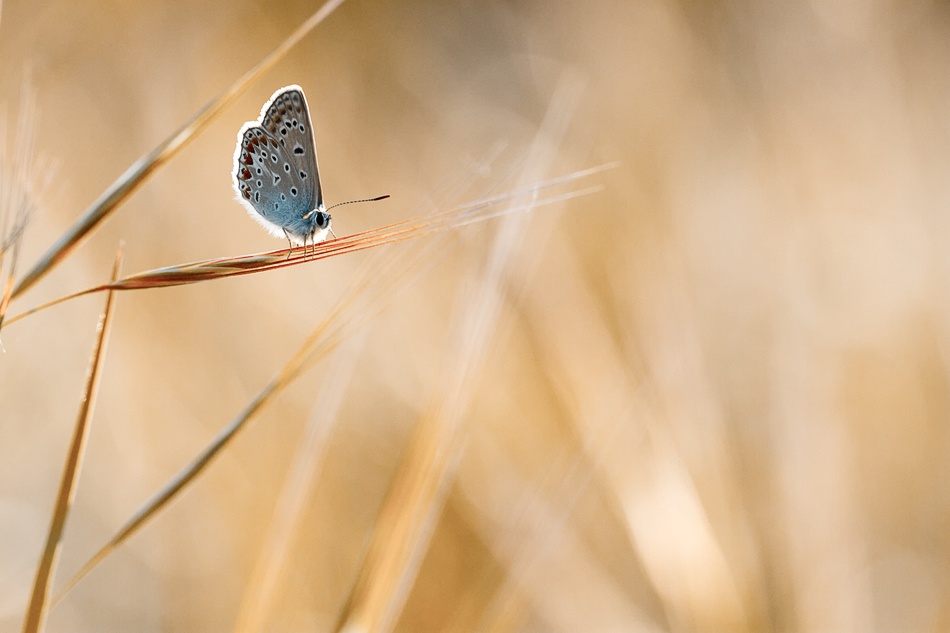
(323, 220)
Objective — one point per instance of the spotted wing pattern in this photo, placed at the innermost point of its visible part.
(275, 168)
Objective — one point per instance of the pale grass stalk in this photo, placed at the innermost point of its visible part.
(22, 182)
(265, 580)
(543, 555)
(535, 544)
(406, 522)
(689, 459)
(531, 542)
(542, 527)
(207, 270)
(700, 586)
(411, 509)
(136, 175)
(39, 598)
(603, 400)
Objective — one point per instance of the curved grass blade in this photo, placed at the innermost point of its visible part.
(39, 598)
(211, 269)
(135, 176)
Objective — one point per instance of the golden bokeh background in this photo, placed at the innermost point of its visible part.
(714, 396)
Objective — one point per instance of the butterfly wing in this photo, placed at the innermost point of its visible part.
(275, 167)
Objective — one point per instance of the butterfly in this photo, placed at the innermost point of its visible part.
(275, 170)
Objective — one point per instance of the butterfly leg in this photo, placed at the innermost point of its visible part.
(290, 246)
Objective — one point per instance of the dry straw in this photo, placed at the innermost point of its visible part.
(39, 598)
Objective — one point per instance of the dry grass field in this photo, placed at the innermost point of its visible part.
(709, 392)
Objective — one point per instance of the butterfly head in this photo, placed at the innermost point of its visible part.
(319, 225)
(321, 220)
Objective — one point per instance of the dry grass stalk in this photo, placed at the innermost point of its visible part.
(264, 583)
(23, 180)
(39, 598)
(208, 270)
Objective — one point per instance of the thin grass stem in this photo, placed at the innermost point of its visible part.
(39, 597)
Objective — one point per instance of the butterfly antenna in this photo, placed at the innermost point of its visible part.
(340, 204)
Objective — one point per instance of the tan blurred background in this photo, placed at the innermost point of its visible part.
(715, 397)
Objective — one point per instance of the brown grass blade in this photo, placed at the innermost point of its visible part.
(135, 176)
(221, 268)
(39, 598)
